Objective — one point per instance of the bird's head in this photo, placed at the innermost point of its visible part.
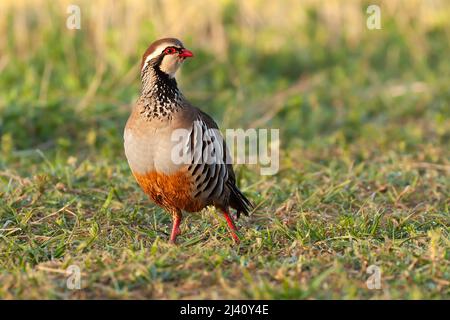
(165, 54)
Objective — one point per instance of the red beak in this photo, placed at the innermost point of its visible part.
(185, 53)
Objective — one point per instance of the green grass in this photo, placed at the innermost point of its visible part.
(364, 177)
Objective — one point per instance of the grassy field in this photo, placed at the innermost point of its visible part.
(364, 121)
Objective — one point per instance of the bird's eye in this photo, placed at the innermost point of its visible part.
(170, 50)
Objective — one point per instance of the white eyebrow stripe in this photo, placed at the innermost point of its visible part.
(154, 54)
(159, 49)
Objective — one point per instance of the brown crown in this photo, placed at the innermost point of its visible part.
(154, 45)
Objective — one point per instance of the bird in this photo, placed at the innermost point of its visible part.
(200, 173)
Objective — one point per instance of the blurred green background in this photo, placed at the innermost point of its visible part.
(361, 113)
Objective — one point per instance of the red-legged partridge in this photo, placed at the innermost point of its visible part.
(174, 149)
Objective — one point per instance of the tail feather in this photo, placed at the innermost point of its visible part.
(239, 201)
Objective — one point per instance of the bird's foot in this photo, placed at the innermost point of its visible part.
(235, 237)
(232, 226)
(175, 228)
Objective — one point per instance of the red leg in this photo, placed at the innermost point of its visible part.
(232, 226)
(176, 226)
